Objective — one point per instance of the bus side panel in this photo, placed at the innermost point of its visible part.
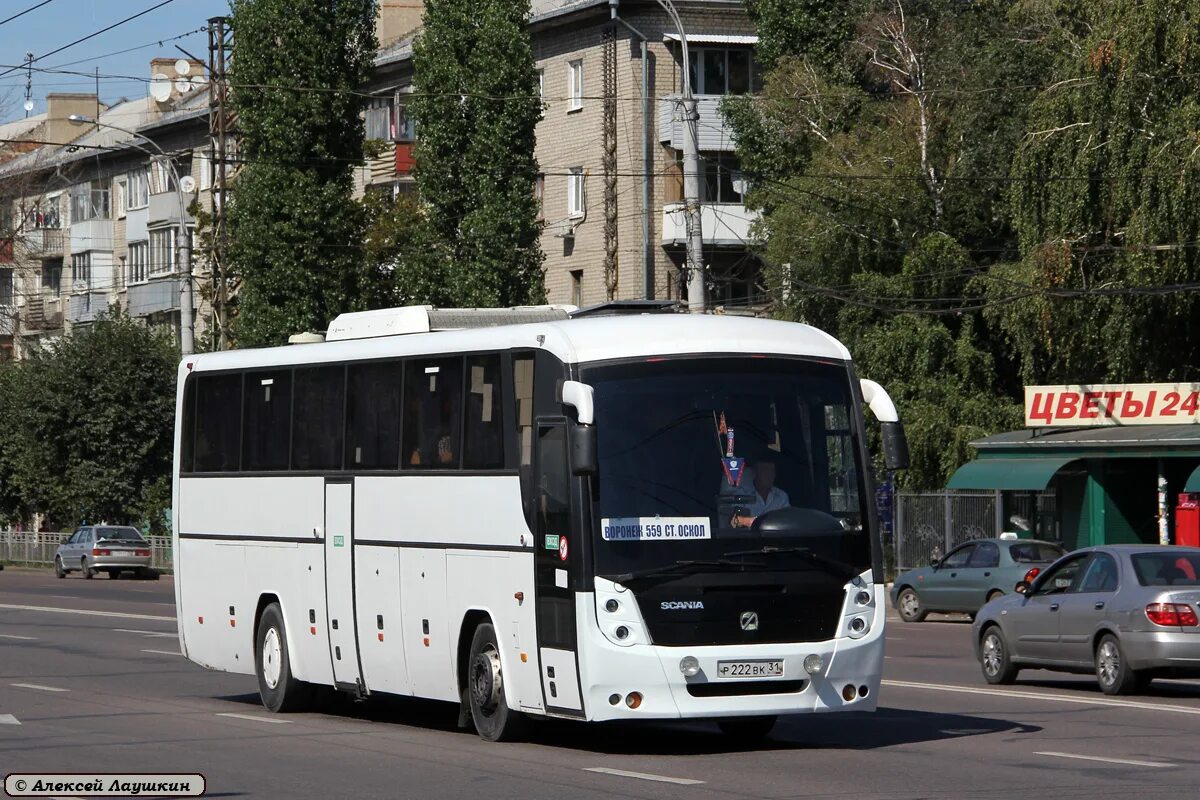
(428, 643)
(490, 582)
(380, 628)
(211, 640)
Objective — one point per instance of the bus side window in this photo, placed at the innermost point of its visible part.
(218, 422)
(432, 414)
(267, 420)
(523, 392)
(317, 418)
(373, 416)
(483, 441)
(187, 426)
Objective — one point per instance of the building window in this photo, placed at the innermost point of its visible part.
(576, 198)
(539, 194)
(122, 192)
(387, 120)
(206, 171)
(541, 76)
(89, 201)
(575, 85)
(137, 189)
(81, 269)
(52, 276)
(716, 70)
(577, 287)
(6, 287)
(162, 252)
(160, 176)
(723, 181)
(137, 262)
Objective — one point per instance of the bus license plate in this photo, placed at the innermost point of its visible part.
(750, 669)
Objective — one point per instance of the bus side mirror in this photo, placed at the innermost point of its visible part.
(583, 449)
(895, 445)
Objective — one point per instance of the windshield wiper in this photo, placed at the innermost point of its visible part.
(683, 567)
(833, 566)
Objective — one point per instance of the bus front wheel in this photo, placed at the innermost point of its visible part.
(278, 688)
(494, 720)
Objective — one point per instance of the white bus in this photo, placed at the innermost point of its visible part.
(595, 517)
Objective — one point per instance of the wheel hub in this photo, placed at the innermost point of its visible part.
(992, 650)
(272, 658)
(1110, 663)
(909, 603)
(486, 682)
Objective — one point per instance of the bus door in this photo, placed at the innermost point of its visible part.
(557, 557)
(339, 584)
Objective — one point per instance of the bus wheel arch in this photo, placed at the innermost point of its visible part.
(278, 686)
(481, 662)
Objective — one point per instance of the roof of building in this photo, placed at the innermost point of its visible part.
(1105, 437)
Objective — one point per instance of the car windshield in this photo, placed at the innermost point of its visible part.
(700, 458)
(1035, 552)
(118, 534)
(1167, 569)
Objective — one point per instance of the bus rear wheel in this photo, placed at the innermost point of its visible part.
(494, 720)
(278, 688)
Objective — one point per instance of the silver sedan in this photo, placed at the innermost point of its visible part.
(1129, 613)
(107, 548)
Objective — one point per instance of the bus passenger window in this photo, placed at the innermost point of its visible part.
(432, 414)
(483, 443)
(317, 418)
(523, 385)
(218, 422)
(267, 418)
(373, 417)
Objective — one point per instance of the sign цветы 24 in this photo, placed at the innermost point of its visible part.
(1112, 404)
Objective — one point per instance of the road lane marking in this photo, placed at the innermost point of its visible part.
(1054, 698)
(9, 719)
(39, 687)
(644, 776)
(1128, 762)
(14, 636)
(164, 652)
(161, 634)
(85, 611)
(256, 718)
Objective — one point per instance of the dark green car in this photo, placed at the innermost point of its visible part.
(970, 575)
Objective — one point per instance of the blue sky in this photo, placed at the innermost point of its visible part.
(60, 22)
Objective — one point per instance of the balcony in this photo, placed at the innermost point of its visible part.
(164, 207)
(43, 242)
(721, 224)
(88, 307)
(42, 314)
(714, 132)
(160, 294)
(91, 234)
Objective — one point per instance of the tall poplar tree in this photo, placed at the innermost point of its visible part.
(295, 233)
(476, 105)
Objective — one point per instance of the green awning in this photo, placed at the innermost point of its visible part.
(1193, 481)
(1028, 474)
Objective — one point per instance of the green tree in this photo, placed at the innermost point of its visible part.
(412, 266)
(476, 108)
(295, 233)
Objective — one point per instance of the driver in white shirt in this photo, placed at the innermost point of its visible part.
(767, 496)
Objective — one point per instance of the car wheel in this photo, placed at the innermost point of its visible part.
(149, 573)
(994, 658)
(278, 688)
(113, 574)
(909, 606)
(747, 729)
(1113, 672)
(494, 720)
(59, 572)
(88, 572)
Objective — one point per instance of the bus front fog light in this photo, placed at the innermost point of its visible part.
(611, 606)
(849, 692)
(621, 632)
(689, 666)
(813, 664)
(858, 625)
(633, 699)
(863, 598)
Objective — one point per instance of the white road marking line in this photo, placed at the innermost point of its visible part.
(1129, 762)
(164, 652)
(644, 776)
(9, 719)
(14, 636)
(256, 718)
(1054, 698)
(161, 634)
(88, 612)
(39, 687)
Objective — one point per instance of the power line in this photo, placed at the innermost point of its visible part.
(26, 11)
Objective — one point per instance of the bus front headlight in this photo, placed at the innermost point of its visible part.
(689, 666)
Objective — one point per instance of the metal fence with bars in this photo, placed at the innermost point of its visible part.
(38, 548)
(930, 524)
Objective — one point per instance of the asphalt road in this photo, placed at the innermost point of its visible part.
(107, 692)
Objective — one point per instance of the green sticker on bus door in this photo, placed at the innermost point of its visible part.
(551, 541)
(339, 541)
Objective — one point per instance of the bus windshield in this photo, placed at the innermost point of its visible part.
(743, 460)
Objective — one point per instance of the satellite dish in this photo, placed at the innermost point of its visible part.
(188, 184)
(183, 67)
(79, 287)
(160, 87)
(29, 105)
(182, 85)
(198, 81)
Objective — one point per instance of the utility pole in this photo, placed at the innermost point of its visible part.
(220, 124)
(697, 289)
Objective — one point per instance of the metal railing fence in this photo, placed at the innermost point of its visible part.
(37, 548)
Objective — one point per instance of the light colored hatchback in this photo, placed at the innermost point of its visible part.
(107, 548)
(1129, 613)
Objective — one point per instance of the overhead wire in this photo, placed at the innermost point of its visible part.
(26, 11)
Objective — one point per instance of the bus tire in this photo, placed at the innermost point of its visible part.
(278, 688)
(494, 720)
(747, 730)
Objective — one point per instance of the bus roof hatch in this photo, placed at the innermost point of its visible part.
(425, 319)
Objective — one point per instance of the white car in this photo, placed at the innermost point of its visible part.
(111, 548)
